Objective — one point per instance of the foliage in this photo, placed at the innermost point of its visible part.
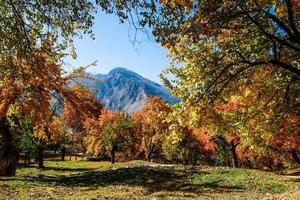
(180, 145)
(26, 142)
(74, 119)
(234, 66)
(222, 153)
(27, 25)
(109, 132)
(188, 145)
(151, 126)
(34, 37)
(287, 140)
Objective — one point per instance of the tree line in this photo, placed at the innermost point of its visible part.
(234, 66)
(149, 134)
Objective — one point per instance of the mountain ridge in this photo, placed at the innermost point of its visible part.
(123, 89)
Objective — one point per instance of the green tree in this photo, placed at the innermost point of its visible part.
(27, 143)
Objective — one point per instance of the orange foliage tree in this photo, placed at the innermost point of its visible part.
(74, 119)
(108, 133)
(30, 94)
(33, 40)
(151, 126)
(287, 139)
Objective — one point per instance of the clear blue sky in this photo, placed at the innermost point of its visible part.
(112, 48)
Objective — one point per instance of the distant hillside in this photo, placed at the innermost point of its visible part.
(122, 89)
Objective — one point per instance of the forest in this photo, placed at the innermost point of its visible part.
(234, 134)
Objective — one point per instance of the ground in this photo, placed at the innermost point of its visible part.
(142, 180)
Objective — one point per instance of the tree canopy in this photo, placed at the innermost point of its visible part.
(234, 64)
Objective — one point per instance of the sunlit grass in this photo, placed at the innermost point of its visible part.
(140, 180)
(243, 179)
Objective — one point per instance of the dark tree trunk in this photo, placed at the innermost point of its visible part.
(41, 156)
(63, 153)
(147, 155)
(9, 154)
(26, 158)
(112, 154)
(71, 150)
(235, 161)
(54, 156)
(295, 156)
(149, 152)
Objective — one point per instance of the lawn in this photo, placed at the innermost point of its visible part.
(142, 180)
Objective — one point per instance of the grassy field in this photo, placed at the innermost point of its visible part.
(142, 180)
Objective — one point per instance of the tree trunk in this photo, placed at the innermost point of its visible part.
(54, 156)
(9, 154)
(71, 150)
(63, 153)
(41, 156)
(112, 154)
(25, 158)
(28, 158)
(149, 149)
(234, 156)
(147, 155)
(295, 156)
(149, 152)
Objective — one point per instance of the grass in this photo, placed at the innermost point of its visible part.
(243, 179)
(142, 180)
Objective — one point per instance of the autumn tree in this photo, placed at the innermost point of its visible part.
(33, 36)
(220, 23)
(108, 132)
(74, 119)
(187, 145)
(224, 52)
(287, 140)
(46, 134)
(151, 119)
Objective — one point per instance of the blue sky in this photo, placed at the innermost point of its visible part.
(113, 48)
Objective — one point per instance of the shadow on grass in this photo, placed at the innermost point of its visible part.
(59, 169)
(153, 179)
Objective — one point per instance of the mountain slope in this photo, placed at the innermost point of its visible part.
(122, 89)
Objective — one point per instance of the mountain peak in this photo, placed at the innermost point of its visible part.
(125, 73)
(119, 70)
(126, 90)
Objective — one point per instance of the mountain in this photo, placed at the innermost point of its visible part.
(122, 89)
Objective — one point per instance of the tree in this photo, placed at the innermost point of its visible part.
(49, 133)
(273, 22)
(233, 140)
(287, 139)
(74, 119)
(25, 25)
(152, 126)
(26, 141)
(188, 145)
(229, 53)
(30, 93)
(33, 36)
(108, 132)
